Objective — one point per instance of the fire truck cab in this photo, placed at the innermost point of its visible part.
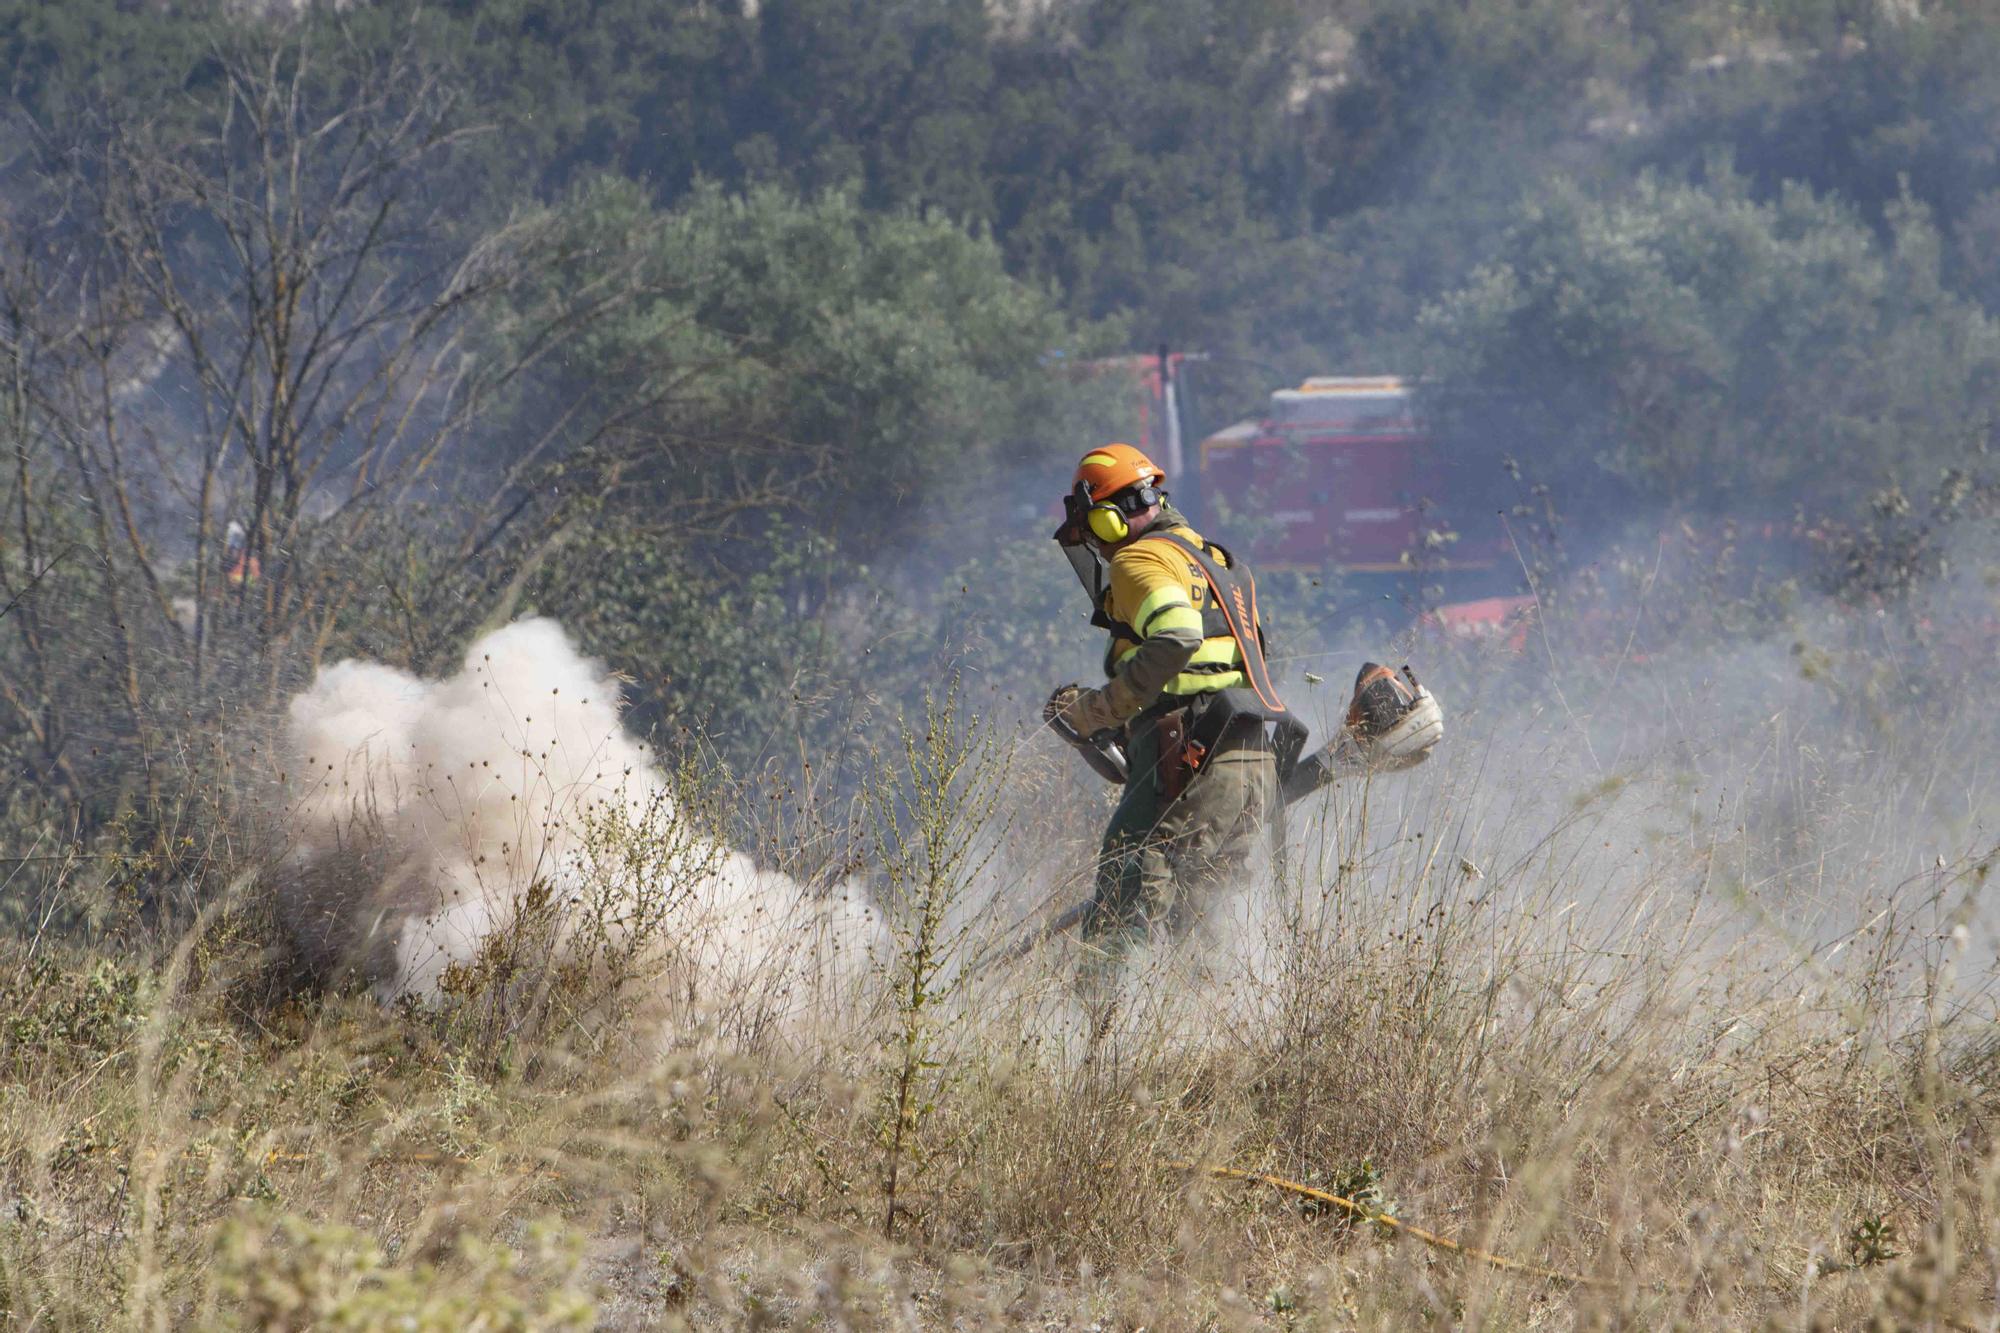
(1339, 473)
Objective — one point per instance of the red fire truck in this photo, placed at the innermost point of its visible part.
(1337, 474)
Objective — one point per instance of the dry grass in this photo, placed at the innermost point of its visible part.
(1735, 1070)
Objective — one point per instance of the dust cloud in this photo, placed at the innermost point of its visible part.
(425, 813)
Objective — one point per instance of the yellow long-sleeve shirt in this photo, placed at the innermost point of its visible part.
(1155, 602)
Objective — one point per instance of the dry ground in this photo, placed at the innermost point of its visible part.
(1721, 1067)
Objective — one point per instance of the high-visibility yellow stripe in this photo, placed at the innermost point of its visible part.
(1172, 618)
(1189, 682)
(1098, 460)
(1220, 651)
(1216, 652)
(1167, 595)
(1203, 682)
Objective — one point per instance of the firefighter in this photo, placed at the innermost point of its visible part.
(1186, 693)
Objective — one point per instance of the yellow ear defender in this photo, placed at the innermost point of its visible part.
(1107, 524)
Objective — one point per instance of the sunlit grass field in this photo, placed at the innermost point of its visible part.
(1674, 1006)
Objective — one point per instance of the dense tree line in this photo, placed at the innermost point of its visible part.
(1161, 159)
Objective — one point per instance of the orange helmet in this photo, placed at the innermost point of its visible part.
(1111, 468)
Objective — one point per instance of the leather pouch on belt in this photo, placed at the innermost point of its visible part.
(1180, 755)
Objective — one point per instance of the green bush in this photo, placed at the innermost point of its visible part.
(1704, 346)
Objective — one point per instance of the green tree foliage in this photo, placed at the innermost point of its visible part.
(62, 58)
(882, 96)
(832, 404)
(854, 362)
(895, 341)
(1443, 93)
(578, 86)
(1869, 101)
(1702, 344)
(1137, 144)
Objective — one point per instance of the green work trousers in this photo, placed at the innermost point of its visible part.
(1162, 861)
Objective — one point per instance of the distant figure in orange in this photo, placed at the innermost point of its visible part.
(239, 566)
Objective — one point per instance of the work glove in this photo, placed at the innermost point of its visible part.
(1086, 711)
(1060, 699)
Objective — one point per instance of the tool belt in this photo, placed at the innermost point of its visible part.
(1191, 731)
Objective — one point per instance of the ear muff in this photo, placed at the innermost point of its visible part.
(1107, 518)
(1107, 524)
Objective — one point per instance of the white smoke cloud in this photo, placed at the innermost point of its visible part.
(425, 811)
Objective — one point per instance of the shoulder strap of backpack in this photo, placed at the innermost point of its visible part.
(1235, 592)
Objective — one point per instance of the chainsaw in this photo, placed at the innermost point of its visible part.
(1393, 722)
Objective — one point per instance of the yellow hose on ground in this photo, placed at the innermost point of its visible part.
(1367, 1214)
(1431, 1238)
